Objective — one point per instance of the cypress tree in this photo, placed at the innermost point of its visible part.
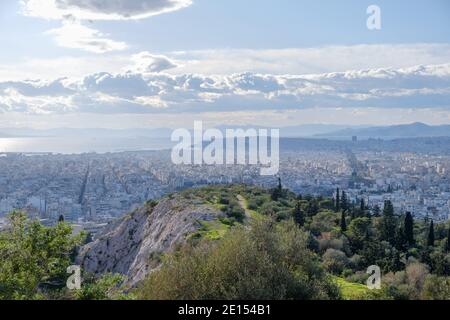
(409, 229)
(343, 222)
(298, 215)
(362, 207)
(344, 203)
(338, 201)
(401, 243)
(396, 262)
(313, 208)
(430, 239)
(388, 224)
(277, 192)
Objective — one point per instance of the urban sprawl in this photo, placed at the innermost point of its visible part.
(92, 189)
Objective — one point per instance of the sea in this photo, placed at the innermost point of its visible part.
(79, 145)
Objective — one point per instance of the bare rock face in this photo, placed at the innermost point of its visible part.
(131, 245)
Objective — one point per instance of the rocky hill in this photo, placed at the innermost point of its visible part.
(133, 245)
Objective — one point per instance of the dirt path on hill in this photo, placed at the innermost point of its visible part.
(243, 204)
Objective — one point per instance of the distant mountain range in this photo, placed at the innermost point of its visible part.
(307, 130)
(397, 131)
(301, 131)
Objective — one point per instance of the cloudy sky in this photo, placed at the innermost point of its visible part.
(165, 63)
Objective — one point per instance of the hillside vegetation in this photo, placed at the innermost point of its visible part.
(241, 242)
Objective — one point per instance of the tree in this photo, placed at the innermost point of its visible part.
(34, 257)
(439, 263)
(344, 201)
(358, 232)
(298, 214)
(409, 229)
(277, 192)
(388, 223)
(324, 221)
(376, 211)
(436, 288)
(280, 186)
(362, 207)
(397, 263)
(400, 239)
(313, 208)
(335, 261)
(337, 200)
(430, 238)
(343, 223)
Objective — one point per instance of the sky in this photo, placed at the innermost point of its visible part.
(167, 63)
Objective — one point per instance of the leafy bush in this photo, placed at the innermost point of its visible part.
(335, 261)
(224, 200)
(252, 204)
(408, 284)
(436, 288)
(267, 261)
(324, 221)
(325, 244)
(34, 258)
(107, 287)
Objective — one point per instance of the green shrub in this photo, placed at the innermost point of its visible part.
(266, 261)
(335, 261)
(107, 287)
(34, 258)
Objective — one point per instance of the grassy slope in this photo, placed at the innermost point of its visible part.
(244, 204)
(352, 291)
(215, 230)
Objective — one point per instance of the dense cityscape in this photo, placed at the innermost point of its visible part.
(92, 189)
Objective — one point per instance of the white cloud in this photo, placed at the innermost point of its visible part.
(145, 62)
(76, 36)
(133, 92)
(65, 66)
(226, 62)
(12, 100)
(311, 60)
(72, 34)
(101, 9)
(127, 85)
